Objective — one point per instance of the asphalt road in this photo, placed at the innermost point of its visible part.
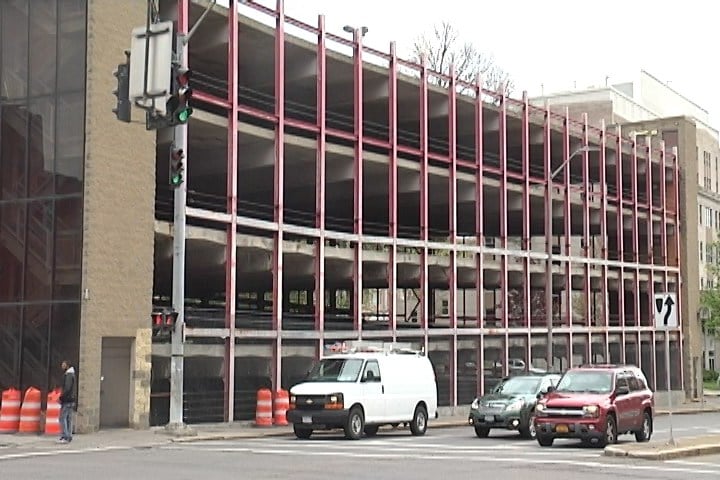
(442, 453)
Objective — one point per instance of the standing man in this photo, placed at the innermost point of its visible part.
(67, 402)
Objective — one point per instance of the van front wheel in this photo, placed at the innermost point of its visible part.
(418, 426)
(355, 424)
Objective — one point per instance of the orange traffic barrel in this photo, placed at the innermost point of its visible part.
(10, 411)
(282, 404)
(52, 414)
(30, 411)
(263, 412)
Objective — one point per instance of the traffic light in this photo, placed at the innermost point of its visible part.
(163, 322)
(122, 92)
(178, 107)
(177, 166)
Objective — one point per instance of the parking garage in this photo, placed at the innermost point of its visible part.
(416, 211)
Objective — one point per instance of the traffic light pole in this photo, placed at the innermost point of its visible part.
(177, 358)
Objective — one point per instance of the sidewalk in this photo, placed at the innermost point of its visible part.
(683, 447)
(156, 436)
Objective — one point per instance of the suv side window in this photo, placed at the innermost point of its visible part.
(621, 380)
(372, 371)
(640, 378)
(632, 381)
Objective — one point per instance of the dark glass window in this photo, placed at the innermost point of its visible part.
(41, 147)
(71, 46)
(12, 251)
(13, 143)
(39, 250)
(14, 67)
(42, 136)
(43, 36)
(9, 347)
(35, 345)
(68, 248)
(70, 143)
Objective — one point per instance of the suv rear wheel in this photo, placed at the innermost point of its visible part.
(645, 433)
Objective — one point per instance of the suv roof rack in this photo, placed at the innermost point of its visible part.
(607, 365)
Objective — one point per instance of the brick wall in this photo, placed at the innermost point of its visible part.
(118, 217)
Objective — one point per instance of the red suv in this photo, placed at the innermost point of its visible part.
(596, 403)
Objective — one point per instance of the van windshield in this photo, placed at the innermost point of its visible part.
(336, 370)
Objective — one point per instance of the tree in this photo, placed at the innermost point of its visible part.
(710, 295)
(444, 47)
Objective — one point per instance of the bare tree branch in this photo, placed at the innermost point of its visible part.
(443, 47)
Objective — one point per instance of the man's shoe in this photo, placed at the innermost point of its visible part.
(62, 440)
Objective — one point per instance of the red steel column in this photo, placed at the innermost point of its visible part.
(320, 185)
(424, 198)
(663, 203)
(568, 224)
(503, 219)
(277, 294)
(479, 217)
(526, 210)
(547, 163)
(650, 260)
(358, 180)
(636, 241)
(392, 191)
(589, 297)
(231, 252)
(452, 227)
(620, 226)
(604, 236)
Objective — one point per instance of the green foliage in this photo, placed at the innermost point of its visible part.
(710, 376)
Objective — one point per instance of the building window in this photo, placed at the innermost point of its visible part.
(701, 251)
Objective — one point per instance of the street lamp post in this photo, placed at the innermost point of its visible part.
(549, 246)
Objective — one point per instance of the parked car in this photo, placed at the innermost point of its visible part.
(596, 403)
(363, 388)
(510, 405)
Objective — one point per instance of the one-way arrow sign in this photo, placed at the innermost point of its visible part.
(666, 310)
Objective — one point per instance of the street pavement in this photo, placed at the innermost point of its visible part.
(394, 454)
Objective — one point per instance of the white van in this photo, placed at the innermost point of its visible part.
(363, 387)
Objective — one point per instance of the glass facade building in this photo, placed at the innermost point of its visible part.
(42, 135)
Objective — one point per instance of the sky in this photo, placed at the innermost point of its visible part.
(553, 45)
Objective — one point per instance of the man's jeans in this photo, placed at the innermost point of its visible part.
(66, 412)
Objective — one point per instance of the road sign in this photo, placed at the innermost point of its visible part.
(666, 310)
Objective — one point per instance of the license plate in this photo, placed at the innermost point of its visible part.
(561, 428)
(307, 419)
(489, 418)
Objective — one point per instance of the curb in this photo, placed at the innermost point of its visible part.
(668, 454)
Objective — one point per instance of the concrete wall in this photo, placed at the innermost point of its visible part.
(118, 218)
(689, 254)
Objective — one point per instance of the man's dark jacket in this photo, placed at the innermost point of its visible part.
(68, 388)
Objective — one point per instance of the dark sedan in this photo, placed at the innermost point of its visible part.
(510, 405)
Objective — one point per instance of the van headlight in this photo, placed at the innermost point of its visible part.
(475, 404)
(591, 411)
(334, 401)
(516, 405)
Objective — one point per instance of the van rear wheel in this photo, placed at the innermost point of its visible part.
(418, 426)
